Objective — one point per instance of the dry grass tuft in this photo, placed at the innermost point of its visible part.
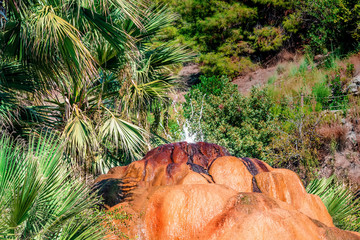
(333, 132)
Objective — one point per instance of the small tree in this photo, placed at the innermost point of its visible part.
(244, 125)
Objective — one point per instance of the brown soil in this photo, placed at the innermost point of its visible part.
(261, 76)
(355, 59)
(257, 78)
(189, 74)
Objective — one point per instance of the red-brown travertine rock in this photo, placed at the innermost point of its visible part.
(198, 191)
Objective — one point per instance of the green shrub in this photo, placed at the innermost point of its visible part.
(233, 36)
(244, 125)
(231, 30)
(332, 23)
(292, 22)
(350, 70)
(218, 64)
(272, 79)
(235, 45)
(296, 146)
(211, 85)
(321, 91)
(268, 38)
(338, 100)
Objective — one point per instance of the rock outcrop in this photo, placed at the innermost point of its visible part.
(198, 191)
(354, 86)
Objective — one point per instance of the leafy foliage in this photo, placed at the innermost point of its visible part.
(90, 71)
(231, 34)
(333, 23)
(244, 125)
(40, 196)
(297, 144)
(227, 33)
(339, 200)
(268, 39)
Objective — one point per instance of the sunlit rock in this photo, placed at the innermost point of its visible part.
(198, 191)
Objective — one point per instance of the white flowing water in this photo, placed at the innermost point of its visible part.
(186, 134)
(191, 131)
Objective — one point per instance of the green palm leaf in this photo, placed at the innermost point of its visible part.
(339, 201)
(53, 32)
(73, 59)
(42, 198)
(123, 135)
(79, 135)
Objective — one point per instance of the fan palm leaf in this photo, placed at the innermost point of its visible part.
(39, 196)
(53, 32)
(94, 69)
(123, 135)
(79, 135)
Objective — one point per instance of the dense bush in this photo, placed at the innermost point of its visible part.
(233, 36)
(219, 64)
(297, 144)
(268, 39)
(281, 132)
(331, 23)
(244, 125)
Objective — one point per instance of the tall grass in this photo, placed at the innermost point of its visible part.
(309, 78)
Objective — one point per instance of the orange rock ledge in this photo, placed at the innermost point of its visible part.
(198, 191)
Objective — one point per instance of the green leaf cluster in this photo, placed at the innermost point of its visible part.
(90, 71)
(340, 202)
(243, 125)
(226, 33)
(332, 24)
(41, 197)
(231, 35)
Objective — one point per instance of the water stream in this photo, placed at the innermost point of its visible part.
(189, 132)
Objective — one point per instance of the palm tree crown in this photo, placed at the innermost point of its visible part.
(93, 72)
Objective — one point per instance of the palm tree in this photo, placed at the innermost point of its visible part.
(99, 70)
(41, 197)
(18, 84)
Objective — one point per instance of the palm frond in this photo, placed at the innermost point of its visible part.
(39, 195)
(53, 32)
(114, 35)
(167, 55)
(156, 18)
(79, 135)
(131, 9)
(14, 76)
(123, 135)
(339, 201)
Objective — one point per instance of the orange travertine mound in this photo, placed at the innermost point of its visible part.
(198, 191)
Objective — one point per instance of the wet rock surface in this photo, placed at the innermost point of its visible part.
(198, 191)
